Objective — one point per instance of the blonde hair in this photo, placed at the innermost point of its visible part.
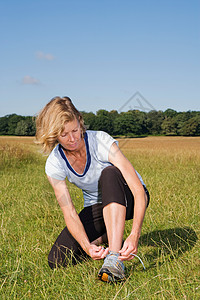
(51, 120)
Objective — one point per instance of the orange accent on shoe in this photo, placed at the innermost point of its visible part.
(104, 277)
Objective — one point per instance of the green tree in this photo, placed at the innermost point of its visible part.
(4, 125)
(103, 121)
(21, 128)
(191, 127)
(169, 126)
(182, 119)
(25, 127)
(102, 113)
(170, 113)
(154, 121)
(130, 123)
(12, 123)
(113, 114)
(89, 119)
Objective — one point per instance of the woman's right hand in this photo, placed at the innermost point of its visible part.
(97, 252)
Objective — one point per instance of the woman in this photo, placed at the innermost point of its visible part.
(113, 191)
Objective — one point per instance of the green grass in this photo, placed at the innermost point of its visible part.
(169, 245)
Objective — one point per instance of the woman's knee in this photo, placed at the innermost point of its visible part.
(61, 256)
(112, 186)
(53, 257)
(109, 173)
(51, 263)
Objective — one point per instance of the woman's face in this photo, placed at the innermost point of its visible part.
(70, 137)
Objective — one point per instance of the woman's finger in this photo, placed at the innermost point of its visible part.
(124, 248)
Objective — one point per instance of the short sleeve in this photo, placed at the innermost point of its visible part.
(104, 142)
(53, 167)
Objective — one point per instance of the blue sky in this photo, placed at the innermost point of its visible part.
(99, 53)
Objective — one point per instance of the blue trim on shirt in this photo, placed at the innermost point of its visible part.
(88, 157)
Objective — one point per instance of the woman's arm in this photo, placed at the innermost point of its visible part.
(72, 219)
(140, 200)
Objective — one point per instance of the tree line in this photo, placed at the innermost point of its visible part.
(131, 123)
(138, 123)
(17, 125)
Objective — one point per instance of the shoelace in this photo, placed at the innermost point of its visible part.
(139, 259)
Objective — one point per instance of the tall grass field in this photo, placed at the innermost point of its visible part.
(31, 219)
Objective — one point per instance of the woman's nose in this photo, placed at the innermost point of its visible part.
(71, 136)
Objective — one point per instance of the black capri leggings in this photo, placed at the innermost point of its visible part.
(113, 188)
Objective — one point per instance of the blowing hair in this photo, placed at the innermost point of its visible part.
(51, 120)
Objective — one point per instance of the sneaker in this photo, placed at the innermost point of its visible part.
(112, 269)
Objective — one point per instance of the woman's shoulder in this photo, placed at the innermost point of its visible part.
(55, 154)
(54, 166)
(100, 138)
(100, 142)
(97, 134)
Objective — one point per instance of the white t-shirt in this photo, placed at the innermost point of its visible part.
(98, 145)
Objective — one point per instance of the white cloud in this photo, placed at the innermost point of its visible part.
(30, 80)
(45, 56)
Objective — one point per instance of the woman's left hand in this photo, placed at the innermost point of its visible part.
(130, 246)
